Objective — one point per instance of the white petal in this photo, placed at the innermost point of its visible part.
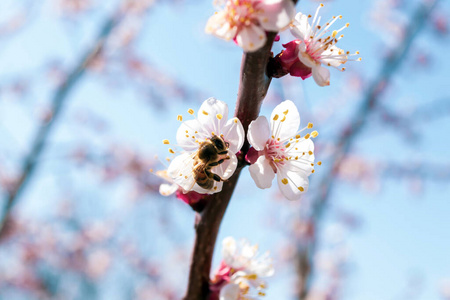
(218, 25)
(333, 62)
(321, 75)
(233, 133)
(230, 292)
(305, 58)
(301, 28)
(276, 14)
(294, 181)
(164, 175)
(287, 120)
(262, 173)
(251, 38)
(180, 169)
(262, 266)
(186, 135)
(258, 133)
(217, 187)
(227, 168)
(167, 189)
(228, 250)
(213, 115)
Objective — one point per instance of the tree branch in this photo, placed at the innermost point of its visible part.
(253, 87)
(59, 100)
(359, 121)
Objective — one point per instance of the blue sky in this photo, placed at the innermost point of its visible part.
(403, 234)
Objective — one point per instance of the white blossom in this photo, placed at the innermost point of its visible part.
(317, 48)
(248, 269)
(245, 21)
(191, 135)
(282, 151)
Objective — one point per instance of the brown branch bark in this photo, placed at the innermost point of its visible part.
(253, 87)
(348, 136)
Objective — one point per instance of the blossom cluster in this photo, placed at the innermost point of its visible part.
(242, 271)
(209, 144)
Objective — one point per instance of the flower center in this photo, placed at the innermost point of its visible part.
(241, 13)
(275, 153)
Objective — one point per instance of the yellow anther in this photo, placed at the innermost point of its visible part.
(284, 119)
(275, 117)
(312, 165)
(357, 52)
(310, 125)
(321, 4)
(180, 118)
(314, 134)
(298, 136)
(204, 112)
(166, 142)
(187, 135)
(360, 59)
(348, 24)
(301, 189)
(312, 171)
(286, 112)
(288, 144)
(235, 120)
(296, 157)
(151, 170)
(284, 181)
(319, 163)
(340, 16)
(191, 111)
(334, 33)
(310, 152)
(261, 293)
(171, 151)
(307, 136)
(168, 159)
(219, 116)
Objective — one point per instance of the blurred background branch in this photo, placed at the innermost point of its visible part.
(368, 105)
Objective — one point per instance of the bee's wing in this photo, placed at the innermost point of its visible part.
(181, 170)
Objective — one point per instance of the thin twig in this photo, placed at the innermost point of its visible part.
(348, 135)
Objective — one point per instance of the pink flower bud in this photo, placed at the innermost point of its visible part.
(290, 62)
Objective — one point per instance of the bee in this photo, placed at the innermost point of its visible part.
(211, 153)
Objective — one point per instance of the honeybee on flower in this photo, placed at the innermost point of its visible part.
(209, 144)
